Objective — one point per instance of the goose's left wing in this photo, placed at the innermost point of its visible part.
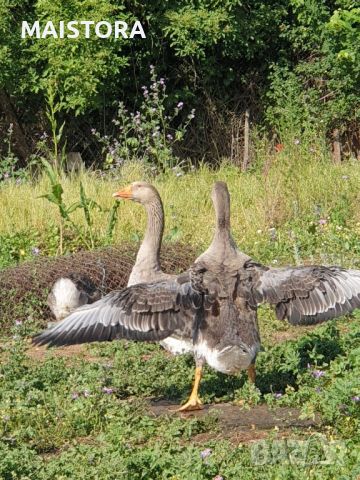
(304, 295)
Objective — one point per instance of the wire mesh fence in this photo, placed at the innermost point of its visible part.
(24, 288)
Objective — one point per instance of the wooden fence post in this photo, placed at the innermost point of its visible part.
(245, 163)
(336, 146)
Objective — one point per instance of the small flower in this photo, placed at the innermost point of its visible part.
(218, 477)
(6, 175)
(74, 395)
(44, 136)
(18, 323)
(180, 105)
(179, 174)
(278, 395)
(322, 221)
(6, 418)
(107, 390)
(93, 131)
(296, 141)
(86, 393)
(162, 81)
(345, 177)
(35, 251)
(356, 398)
(152, 68)
(169, 136)
(205, 453)
(318, 373)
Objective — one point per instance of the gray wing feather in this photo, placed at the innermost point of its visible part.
(144, 312)
(304, 295)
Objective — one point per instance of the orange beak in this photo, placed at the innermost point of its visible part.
(125, 193)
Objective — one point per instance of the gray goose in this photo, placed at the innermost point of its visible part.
(218, 296)
(147, 266)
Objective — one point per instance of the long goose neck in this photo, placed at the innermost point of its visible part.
(222, 235)
(149, 252)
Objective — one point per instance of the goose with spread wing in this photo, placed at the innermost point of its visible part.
(147, 266)
(200, 301)
(218, 299)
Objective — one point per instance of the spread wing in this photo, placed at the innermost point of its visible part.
(144, 312)
(304, 295)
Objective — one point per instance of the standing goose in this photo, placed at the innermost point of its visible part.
(147, 266)
(218, 299)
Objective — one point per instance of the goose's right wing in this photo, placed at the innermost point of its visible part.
(144, 312)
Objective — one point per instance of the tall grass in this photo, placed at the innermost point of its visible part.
(293, 188)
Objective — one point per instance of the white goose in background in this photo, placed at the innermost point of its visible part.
(70, 292)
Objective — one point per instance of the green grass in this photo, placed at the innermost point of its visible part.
(56, 420)
(281, 195)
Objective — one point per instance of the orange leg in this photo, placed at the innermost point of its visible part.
(194, 402)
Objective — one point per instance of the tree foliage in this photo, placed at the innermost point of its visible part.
(289, 57)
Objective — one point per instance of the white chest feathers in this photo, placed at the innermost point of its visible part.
(177, 345)
(230, 359)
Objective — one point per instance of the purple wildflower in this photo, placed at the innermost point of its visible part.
(169, 136)
(18, 323)
(322, 221)
(180, 105)
(93, 131)
(205, 453)
(218, 477)
(318, 373)
(356, 398)
(278, 395)
(86, 393)
(74, 395)
(35, 251)
(162, 81)
(107, 390)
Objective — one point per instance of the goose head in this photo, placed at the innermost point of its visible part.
(141, 192)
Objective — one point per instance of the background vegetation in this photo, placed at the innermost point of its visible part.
(288, 59)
